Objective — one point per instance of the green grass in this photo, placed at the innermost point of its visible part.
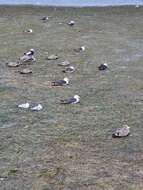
(71, 147)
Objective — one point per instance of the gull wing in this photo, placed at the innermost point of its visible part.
(68, 101)
(59, 83)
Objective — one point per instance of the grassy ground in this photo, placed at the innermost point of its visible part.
(70, 147)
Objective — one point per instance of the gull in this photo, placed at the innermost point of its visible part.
(121, 132)
(69, 69)
(71, 23)
(25, 71)
(45, 18)
(63, 82)
(28, 30)
(52, 57)
(72, 100)
(13, 64)
(28, 56)
(30, 52)
(37, 108)
(25, 105)
(103, 67)
(64, 63)
(80, 49)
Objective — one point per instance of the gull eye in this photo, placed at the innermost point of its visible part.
(118, 134)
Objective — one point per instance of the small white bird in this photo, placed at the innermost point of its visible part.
(52, 57)
(71, 23)
(72, 100)
(62, 82)
(37, 108)
(25, 105)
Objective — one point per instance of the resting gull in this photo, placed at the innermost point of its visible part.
(24, 105)
(80, 49)
(45, 18)
(37, 108)
(121, 132)
(69, 69)
(63, 82)
(72, 100)
(28, 30)
(103, 67)
(71, 23)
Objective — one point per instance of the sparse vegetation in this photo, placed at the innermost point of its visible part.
(71, 147)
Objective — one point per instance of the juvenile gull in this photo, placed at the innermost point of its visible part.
(13, 64)
(71, 100)
(25, 71)
(30, 52)
(121, 132)
(52, 57)
(63, 82)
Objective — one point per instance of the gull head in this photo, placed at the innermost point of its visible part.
(32, 50)
(82, 48)
(77, 97)
(126, 126)
(66, 80)
(30, 30)
(105, 64)
(71, 67)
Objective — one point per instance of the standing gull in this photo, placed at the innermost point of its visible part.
(28, 56)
